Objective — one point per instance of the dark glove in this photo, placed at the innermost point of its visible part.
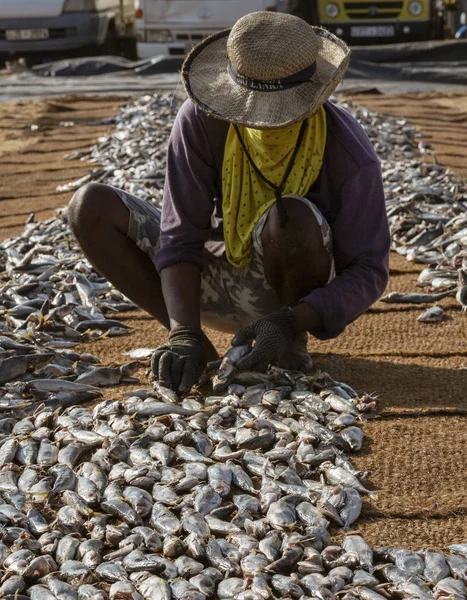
(179, 363)
(273, 336)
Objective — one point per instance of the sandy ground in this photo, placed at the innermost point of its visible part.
(416, 448)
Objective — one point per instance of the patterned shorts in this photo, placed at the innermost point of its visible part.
(230, 297)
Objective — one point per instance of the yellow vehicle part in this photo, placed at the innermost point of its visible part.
(368, 10)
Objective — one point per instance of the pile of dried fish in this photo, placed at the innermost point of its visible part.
(133, 157)
(427, 205)
(427, 211)
(31, 375)
(49, 293)
(233, 495)
(50, 301)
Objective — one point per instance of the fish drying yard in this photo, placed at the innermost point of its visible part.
(349, 483)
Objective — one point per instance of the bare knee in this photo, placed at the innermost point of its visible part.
(94, 205)
(294, 255)
(300, 231)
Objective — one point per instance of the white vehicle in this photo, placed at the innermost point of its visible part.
(173, 27)
(46, 28)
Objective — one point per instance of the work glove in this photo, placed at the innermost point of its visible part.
(179, 363)
(273, 336)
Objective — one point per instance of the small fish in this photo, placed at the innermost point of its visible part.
(149, 496)
(356, 544)
(434, 314)
(16, 366)
(352, 507)
(101, 324)
(397, 298)
(436, 567)
(107, 376)
(140, 353)
(449, 588)
(157, 409)
(458, 549)
(461, 294)
(340, 476)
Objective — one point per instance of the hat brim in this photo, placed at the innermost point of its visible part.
(205, 73)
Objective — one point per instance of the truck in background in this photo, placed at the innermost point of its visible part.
(173, 27)
(361, 22)
(37, 29)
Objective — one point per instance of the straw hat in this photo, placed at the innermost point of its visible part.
(269, 71)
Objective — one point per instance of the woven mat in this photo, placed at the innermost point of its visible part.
(441, 117)
(412, 367)
(418, 464)
(413, 533)
(418, 384)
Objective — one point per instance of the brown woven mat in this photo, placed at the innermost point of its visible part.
(32, 161)
(418, 464)
(401, 384)
(441, 117)
(413, 533)
(412, 367)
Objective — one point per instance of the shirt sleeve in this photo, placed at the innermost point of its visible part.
(361, 251)
(189, 191)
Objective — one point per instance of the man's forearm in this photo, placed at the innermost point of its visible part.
(307, 318)
(344, 299)
(181, 285)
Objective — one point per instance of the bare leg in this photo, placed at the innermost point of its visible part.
(295, 259)
(295, 262)
(99, 220)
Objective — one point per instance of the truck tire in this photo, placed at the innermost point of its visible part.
(128, 48)
(110, 46)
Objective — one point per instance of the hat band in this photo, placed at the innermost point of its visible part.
(272, 85)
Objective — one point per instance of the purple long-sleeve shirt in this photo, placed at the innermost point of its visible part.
(348, 191)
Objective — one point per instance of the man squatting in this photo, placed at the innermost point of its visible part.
(273, 221)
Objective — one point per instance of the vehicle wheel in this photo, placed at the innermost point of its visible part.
(129, 48)
(110, 46)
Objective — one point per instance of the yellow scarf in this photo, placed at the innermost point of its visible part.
(245, 196)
